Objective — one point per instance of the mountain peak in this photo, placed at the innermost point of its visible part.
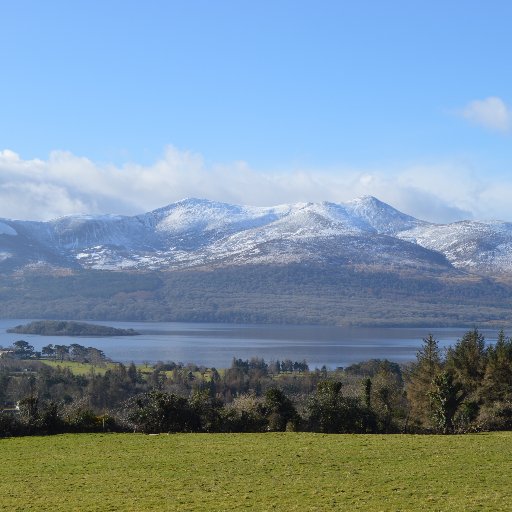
(371, 202)
(381, 216)
(366, 199)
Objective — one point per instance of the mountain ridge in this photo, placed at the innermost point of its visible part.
(193, 233)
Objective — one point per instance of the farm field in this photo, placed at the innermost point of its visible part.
(274, 471)
(79, 368)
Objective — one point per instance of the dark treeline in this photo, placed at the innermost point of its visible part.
(333, 294)
(21, 349)
(466, 388)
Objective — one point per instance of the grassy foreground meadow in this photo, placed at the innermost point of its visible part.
(274, 471)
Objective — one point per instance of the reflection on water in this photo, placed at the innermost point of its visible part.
(216, 344)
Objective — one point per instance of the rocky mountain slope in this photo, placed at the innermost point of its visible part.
(196, 233)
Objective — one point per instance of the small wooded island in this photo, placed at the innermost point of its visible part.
(69, 328)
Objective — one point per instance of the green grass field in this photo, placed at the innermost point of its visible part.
(282, 472)
(79, 368)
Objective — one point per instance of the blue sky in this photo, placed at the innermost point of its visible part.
(123, 106)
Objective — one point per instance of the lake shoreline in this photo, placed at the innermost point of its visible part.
(214, 344)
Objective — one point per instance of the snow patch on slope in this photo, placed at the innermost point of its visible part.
(484, 246)
(201, 215)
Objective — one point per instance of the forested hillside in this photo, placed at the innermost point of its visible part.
(300, 294)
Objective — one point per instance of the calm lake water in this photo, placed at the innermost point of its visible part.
(216, 344)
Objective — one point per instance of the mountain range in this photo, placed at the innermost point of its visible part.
(195, 233)
(360, 263)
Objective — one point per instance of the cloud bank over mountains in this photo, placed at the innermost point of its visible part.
(66, 184)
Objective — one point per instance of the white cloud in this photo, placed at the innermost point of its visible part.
(491, 113)
(66, 184)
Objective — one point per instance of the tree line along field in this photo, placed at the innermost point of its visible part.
(468, 388)
(272, 471)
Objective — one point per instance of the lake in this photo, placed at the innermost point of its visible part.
(216, 344)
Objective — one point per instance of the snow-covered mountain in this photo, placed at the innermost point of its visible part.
(197, 232)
